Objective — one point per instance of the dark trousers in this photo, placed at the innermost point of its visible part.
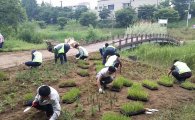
(47, 108)
(101, 51)
(181, 77)
(62, 57)
(32, 64)
(1, 44)
(105, 81)
(82, 57)
(106, 54)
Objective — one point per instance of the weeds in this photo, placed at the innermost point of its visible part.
(188, 85)
(136, 92)
(99, 67)
(132, 108)
(150, 85)
(3, 76)
(114, 116)
(71, 96)
(166, 81)
(28, 96)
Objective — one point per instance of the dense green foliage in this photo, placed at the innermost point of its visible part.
(146, 12)
(62, 21)
(88, 18)
(132, 107)
(30, 7)
(125, 16)
(104, 13)
(71, 95)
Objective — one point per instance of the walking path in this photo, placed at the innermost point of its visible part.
(12, 59)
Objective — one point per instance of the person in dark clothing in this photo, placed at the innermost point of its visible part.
(110, 50)
(36, 59)
(180, 71)
(102, 50)
(60, 51)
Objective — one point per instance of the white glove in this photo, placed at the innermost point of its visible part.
(77, 58)
(101, 90)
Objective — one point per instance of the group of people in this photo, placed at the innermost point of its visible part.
(47, 98)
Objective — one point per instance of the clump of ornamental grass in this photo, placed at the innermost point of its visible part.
(71, 96)
(117, 84)
(136, 92)
(133, 108)
(83, 73)
(95, 57)
(166, 81)
(114, 116)
(3, 76)
(150, 84)
(68, 83)
(99, 67)
(28, 96)
(98, 62)
(127, 82)
(188, 85)
(82, 62)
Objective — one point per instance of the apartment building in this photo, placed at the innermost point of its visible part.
(115, 5)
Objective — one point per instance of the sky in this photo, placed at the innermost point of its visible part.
(93, 3)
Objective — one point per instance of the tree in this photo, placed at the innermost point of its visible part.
(11, 14)
(192, 10)
(62, 21)
(31, 8)
(181, 6)
(79, 10)
(125, 17)
(88, 18)
(167, 13)
(146, 12)
(104, 14)
(164, 4)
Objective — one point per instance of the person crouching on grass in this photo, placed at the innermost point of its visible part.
(104, 77)
(48, 100)
(83, 54)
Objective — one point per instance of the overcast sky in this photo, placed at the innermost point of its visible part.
(93, 3)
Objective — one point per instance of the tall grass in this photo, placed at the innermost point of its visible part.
(164, 55)
(146, 28)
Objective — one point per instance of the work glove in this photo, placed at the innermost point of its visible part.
(101, 90)
(34, 104)
(77, 58)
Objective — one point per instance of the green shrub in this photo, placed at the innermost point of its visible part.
(150, 84)
(27, 32)
(166, 81)
(118, 83)
(71, 96)
(42, 24)
(3, 76)
(68, 83)
(83, 73)
(132, 108)
(28, 96)
(114, 116)
(136, 92)
(188, 85)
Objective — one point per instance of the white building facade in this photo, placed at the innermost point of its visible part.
(115, 5)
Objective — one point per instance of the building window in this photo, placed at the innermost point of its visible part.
(111, 7)
(126, 5)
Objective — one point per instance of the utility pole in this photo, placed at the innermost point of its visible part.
(61, 4)
(189, 4)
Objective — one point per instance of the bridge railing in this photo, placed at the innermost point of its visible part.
(134, 39)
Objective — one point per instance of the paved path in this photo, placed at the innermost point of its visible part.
(12, 59)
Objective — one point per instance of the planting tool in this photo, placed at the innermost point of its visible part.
(27, 109)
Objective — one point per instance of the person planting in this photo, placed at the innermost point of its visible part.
(110, 50)
(48, 100)
(104, 77)
(83, 54)
(36, 59)
(60, 51)
(180, 71)
(102, 50)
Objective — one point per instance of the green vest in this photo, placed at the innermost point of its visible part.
(182, 67)
(38, 57)
(61, 50)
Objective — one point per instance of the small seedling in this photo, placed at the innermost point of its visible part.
(114, 116)
(28, 96)
(69, 83)
(3, 76)
(166, 81)
(93, 110)
(71, 96)
(83, 64)
(133, 108)
(150, 85)
(117, 84)
(136, 92)
(127, 83)
(188, 85)
(83, 73)
(99, 67)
